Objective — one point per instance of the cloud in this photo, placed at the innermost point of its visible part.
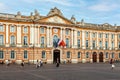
(3, 7)
(103, 7)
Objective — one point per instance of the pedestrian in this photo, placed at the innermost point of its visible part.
(22, 63)
(57, 63)
(111, 61)
(113, 66)
(41, 63)
(8, 62)
(37, 64)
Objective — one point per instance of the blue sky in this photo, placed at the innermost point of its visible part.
(92, 11)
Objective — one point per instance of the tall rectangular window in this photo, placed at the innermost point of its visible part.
(86, 34)
(12, 29)
(119, 55)
(1, 54)
(1, 28)
(87, 44)
(12, 54)
(67, 42)
(106, 44)
(42, 41)
(94, 44)
(42, 30)
(119, 44)
(112, 55)
(94, 35)
(100, 35)
(12, 40)
(78, 43)
(100, 44)
(25, 54)
(87, 54)
(67, 31)
(106, 54)
(112, 36)
(119, 36)
(68, 54)
(78, 33)
(25, 30)
(25, 40)
(79, 54)
(112, 45)
(106, 35)
(1, 40)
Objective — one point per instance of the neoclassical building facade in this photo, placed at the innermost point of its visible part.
(31, 38)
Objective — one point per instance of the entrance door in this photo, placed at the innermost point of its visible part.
(56, 55)
(94, 57)
(101, 57)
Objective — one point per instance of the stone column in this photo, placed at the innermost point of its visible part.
(83, 39)
(32, 34)
(90, 39)
(97, 41)
(116, 42)
(72, 38)
(75, 38)
(7, 44)
(51, 37)
(19, 42)
(109, 42)
(103, 41)
(61, 33)
(48, 37)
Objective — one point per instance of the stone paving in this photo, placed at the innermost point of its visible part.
(87, 71)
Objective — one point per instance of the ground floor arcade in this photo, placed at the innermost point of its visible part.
(64, 55)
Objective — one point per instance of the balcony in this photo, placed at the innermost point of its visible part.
(25, 45)
(2, 45)
(12, 45)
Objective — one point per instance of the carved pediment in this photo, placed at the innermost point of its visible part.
(56, 19)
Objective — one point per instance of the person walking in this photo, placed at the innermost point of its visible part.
(22, 63)
(57, 63)
(37, 64)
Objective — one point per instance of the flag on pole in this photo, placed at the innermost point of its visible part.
(62, 43)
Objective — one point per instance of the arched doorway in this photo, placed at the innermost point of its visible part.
(56, 55)
(100, 57)
(94, 57)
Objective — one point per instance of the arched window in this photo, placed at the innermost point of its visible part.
(87, 54)
(1, 54)
(79, 54)
(68, 54)
(43, 54)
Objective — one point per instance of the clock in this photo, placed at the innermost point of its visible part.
(55, 30)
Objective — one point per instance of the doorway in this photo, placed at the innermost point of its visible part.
(56, 55)
(94, 57)
(101, 57)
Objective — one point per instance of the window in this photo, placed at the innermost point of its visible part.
(1, 28)
(12, 40)
(106, 35)
(79, 54)
(100, 35)
(78, 33)
(119, 36)
(25, 30)
(87, 54)
(55, 41)
(86, 43)
(106, 44)
(94, 35)
(100, 44)
(25, 40)
(87, 34)
(42, 30)
(68, 54)
(112, 55)
(78, 43)
(67, 31)
(119, 55)
(94, 44)
(25, 54)
(119, 45)
(112, 36)
(1, 54)
(67, 42)
(43, 54)
(1, 40)
(42, 41)
(112, 45)
(12, 29)
(106, 54)
(12, 54)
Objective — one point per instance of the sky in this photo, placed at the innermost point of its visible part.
(92, 11)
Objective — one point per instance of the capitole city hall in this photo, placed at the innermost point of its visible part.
(31, 38)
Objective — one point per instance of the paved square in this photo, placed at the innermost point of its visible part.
(87, 71)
